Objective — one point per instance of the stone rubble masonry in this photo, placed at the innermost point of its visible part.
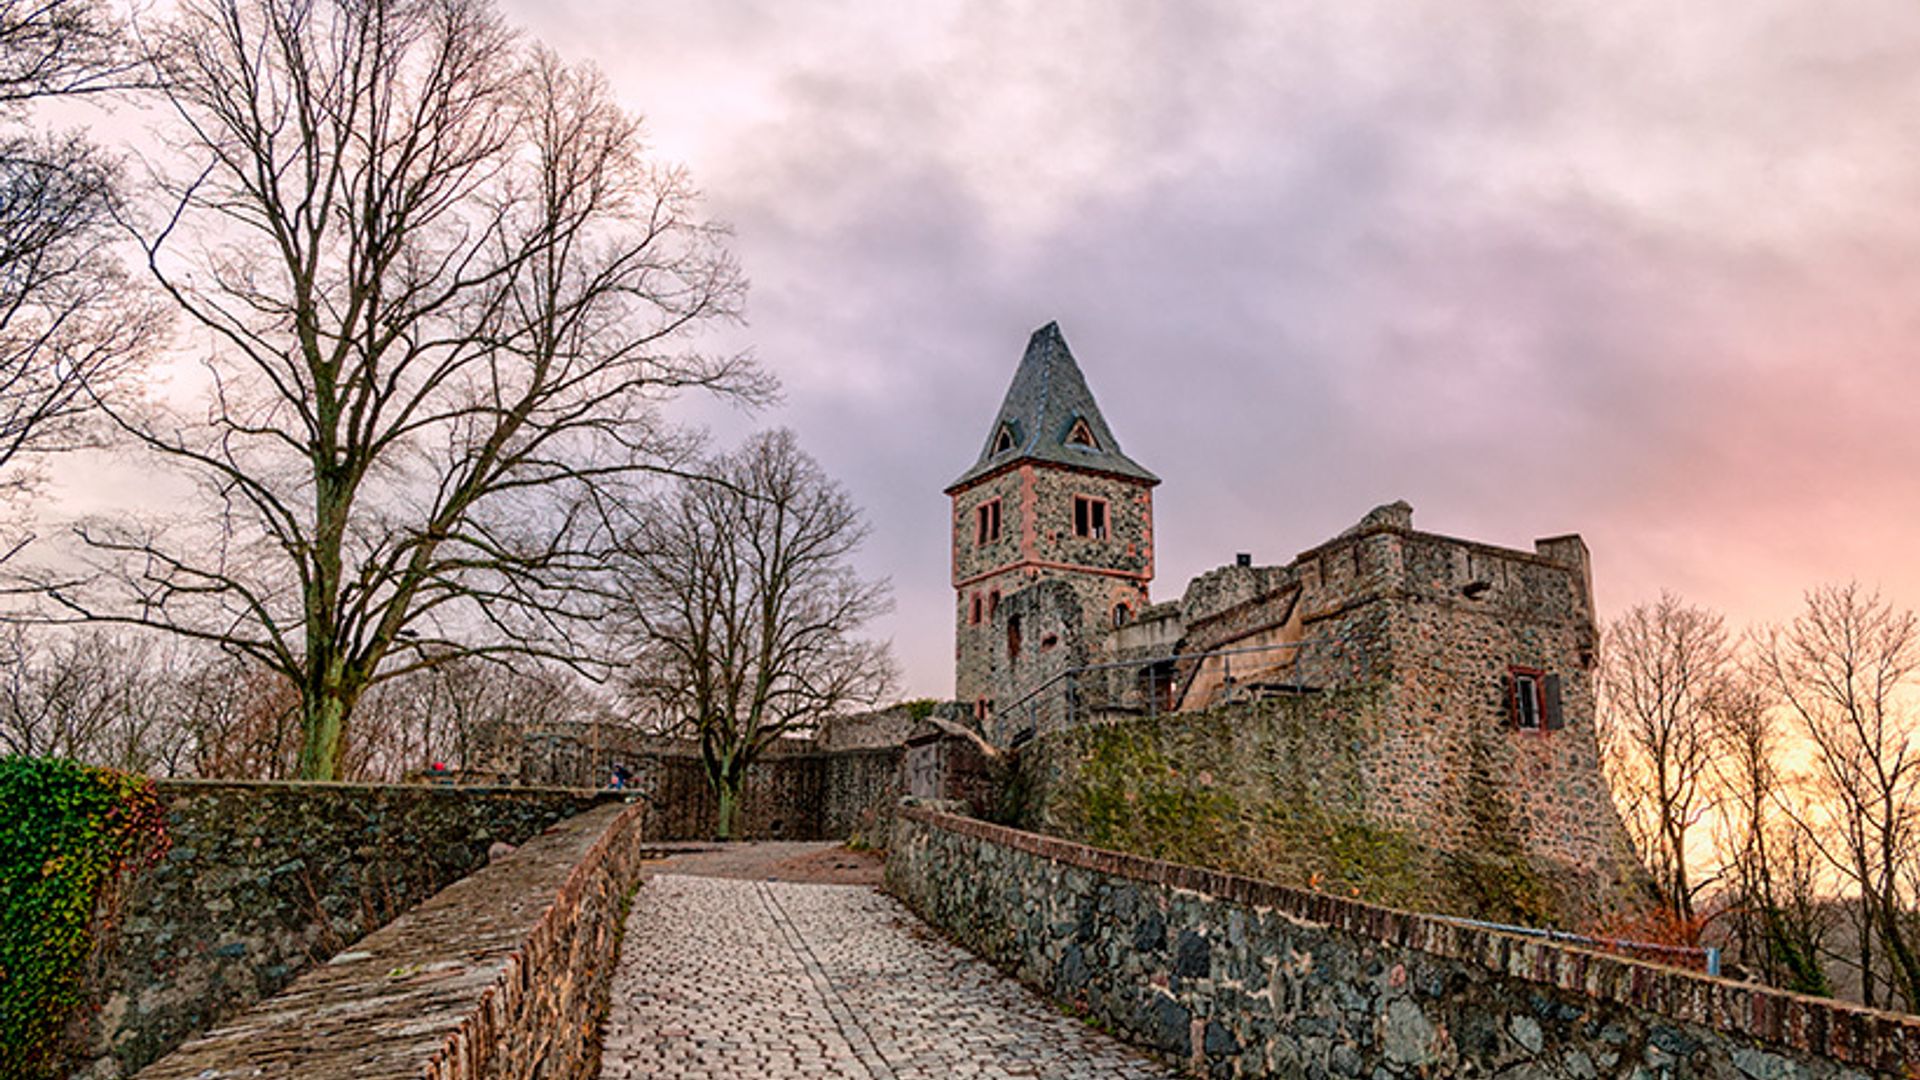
(1037, 543)
(795, 791)
(1438, 624)
(264, 879)
(502, 974)
(1243, 978)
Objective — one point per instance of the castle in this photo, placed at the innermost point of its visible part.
(1480, 658)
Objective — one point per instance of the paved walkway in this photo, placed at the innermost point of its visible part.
(726, 977)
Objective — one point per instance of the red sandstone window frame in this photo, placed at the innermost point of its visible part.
(1090, 517)
(1122, 614)
(993, 603)
(986, 523)
(973, 615)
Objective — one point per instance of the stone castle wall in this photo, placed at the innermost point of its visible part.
(792, 792)
(265, 879)
(1436, 624)
(1242, 978)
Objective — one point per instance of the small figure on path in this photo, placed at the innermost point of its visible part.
(621, 779)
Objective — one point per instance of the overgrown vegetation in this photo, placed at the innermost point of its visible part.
(69, 838)
(1255, 792)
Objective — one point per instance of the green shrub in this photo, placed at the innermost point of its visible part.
(69, 835)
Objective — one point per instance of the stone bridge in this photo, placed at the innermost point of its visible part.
(549, 962)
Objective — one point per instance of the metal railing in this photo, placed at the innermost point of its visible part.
(1176, 682)
(1707, 955)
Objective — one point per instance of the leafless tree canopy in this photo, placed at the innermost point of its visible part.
(442, 292)
(70, 325)
(1664, 682)
(743, 607)
(1846, 670)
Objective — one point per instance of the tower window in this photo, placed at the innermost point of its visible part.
(1122, 614)
(973, 615)
(1089, 517)
(1082, 435)
(993, 603)
(986, 521)
(1013, 638)
(1003, 441)
(1533, 700)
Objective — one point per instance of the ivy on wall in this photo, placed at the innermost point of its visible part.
(70, 835)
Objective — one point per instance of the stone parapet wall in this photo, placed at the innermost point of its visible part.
(792, 792)
(264, 879)
(1243, 978)
(503, 974)
(790, 797)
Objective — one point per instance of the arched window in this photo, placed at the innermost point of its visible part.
(1013, 638)
(1003, 442)
(1122, 614)
(1081, 435)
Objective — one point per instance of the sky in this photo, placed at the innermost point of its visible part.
(1642, 271)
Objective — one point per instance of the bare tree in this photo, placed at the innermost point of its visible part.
(70, 323)
(1665, 668)
(442, 714)
(1845, 670)
(443, 294)
(116, 699)
(1775, 907)
(743, 607)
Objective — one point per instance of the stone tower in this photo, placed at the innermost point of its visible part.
(1052, 497)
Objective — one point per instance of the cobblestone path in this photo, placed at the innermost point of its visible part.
(769, 980)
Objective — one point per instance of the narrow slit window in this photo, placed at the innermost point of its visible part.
(987, 523)
(1526, 699)
(993, 603)
(1122, 614)
(974, 615)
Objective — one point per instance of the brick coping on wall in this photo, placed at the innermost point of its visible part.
(195, 783)
(462, 986)
(1818, 1026)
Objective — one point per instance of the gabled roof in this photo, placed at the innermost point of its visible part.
(1048, 400)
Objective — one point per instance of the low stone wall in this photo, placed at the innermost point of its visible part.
(264, 879)
(1242, 978)
(805, 796)
(502, 974)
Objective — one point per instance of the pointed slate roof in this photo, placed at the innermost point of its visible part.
(1045, 405)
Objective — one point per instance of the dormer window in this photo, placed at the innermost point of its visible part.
(1003, 441)
(1081, 435)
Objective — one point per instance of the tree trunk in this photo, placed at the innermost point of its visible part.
(726, 771)
(323, 725)
(723, 820)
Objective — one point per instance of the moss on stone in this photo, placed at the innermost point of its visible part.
(1271, 790)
